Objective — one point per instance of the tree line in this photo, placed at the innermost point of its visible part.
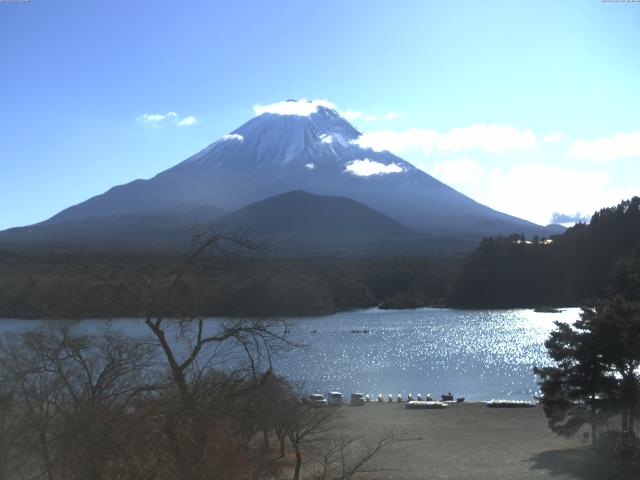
(563, 270)
(67, 285)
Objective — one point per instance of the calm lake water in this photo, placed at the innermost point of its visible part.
(478, 354)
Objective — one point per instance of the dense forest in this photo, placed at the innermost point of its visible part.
(82, 285)
(563, 270)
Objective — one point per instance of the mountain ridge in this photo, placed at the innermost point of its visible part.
(317, 153)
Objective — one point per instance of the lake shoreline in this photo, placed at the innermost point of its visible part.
(379, 307)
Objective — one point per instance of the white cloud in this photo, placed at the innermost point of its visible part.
(187, 121)
(533, 191)
(152, 117)
(302, 107)
(569, 219)
(461, 171)
(619, 145)
(553, 137)
(366, 167)
(157, 120)
(233, 136)
(414, 138)
(310, 166)
(488, 138)
(351, 115)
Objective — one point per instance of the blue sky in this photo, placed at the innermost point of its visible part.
(529, 107)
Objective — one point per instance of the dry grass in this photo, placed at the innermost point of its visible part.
(471, 441)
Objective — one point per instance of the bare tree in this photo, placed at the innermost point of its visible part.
(71, 398)
(342, 459)
(191, 347)
(307, 425)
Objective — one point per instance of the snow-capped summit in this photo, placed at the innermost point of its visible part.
(301, 145)
(301, 108)
(280, 135)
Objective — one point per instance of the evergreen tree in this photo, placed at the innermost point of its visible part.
(579, 389)
(598, 360)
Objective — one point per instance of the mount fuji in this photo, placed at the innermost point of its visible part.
(303, 146)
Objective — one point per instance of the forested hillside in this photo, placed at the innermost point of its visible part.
(564, 270)
(75, 285)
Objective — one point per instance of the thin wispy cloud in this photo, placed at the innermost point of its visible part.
(187, 121)
(158, 120)
(152, 117)
(619, 145)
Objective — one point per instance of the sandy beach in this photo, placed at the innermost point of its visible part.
(471, 441)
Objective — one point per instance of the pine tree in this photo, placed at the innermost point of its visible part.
(598, 360)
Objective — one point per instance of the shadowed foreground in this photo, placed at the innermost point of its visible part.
(471, 441)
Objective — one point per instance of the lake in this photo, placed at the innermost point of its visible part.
(478, 354)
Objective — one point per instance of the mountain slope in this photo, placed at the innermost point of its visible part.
(130, 231)
(316, 152)
(301, 212)
(293, 223)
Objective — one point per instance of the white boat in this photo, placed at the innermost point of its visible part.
(418, 405)
(510, 404)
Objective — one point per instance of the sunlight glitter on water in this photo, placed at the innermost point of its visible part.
(476, 354)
